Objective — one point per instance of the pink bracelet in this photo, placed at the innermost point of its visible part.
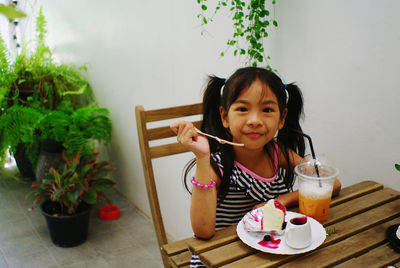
(195, 183)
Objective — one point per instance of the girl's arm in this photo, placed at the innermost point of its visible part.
(204, 200)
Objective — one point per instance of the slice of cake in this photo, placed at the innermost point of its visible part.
(273, 216)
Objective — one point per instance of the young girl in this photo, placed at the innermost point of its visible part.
(255, 108)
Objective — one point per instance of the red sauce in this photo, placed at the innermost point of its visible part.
(273, 243)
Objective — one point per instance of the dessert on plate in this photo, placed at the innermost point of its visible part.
(271, 217)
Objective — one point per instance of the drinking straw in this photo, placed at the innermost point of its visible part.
(312, 153)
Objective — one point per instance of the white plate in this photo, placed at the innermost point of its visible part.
(252, 238)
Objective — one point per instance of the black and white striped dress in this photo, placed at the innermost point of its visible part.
(246, 189)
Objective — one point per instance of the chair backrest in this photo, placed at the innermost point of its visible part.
(148, 152)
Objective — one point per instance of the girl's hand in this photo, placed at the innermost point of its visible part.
(188, 137)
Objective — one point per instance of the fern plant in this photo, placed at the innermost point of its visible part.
(77, 130)
(34, 85)
(49, 83)
(7, 76)
(17, 127)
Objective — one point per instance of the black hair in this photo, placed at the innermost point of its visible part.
(289, 137)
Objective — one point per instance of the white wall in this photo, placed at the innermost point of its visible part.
(343, 54)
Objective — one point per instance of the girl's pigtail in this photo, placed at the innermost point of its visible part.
(290, 135)
(212, 123)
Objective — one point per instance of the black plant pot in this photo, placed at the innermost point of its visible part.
(66, 231)
(24, 165)
(50, 156)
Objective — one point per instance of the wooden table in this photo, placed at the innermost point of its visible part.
(360, 215)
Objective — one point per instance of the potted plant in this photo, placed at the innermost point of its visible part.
(68, 194)
(35, 80)
(71, 129)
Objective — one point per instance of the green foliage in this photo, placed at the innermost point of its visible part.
(17, 126)
(397, 166)
(11, 12)
(35, 71)
(41, 98)
(251, 20)
(77, 130)
(81, 179)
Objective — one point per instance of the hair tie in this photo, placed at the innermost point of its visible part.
(223, 86)
(286, 92)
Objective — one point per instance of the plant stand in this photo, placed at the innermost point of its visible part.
(23, 163)
(66, 231)
(50, 156)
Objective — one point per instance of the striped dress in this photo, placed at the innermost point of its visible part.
(246, 190)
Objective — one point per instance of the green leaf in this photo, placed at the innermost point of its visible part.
(275, 23)
(90, 197)
(222, 54)
(73, 196)
(397, 166)
(11, 12)
(203, 7)
(102, 184)
(56, 195)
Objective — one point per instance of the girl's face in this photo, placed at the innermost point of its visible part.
(254, 117)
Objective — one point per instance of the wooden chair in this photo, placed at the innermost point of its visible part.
(149, 153)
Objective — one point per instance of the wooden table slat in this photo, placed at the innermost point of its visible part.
(220, 256)
(344, 230)
(363, 221)
(380, 257)
(177, 246)
(348, 248)
(221, 237)
(360, 204)
(181, 259)
(355, 191)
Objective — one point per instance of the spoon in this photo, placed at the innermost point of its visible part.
(222, 141)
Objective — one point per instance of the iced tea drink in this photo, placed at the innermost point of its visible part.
(315, 192)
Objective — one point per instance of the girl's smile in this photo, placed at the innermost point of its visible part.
(254, 135)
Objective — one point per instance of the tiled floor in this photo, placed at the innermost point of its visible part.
(25, 242)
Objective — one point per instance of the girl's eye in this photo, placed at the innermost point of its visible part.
(268, 110)
(241, 109)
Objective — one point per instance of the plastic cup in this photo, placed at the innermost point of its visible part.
(315, 191)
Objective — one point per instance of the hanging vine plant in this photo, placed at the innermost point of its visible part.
(251, 22)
